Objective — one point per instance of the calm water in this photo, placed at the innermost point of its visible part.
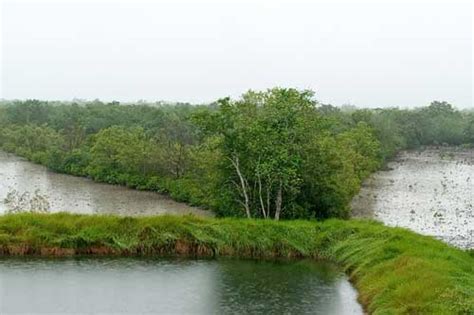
(430, 192)
(75, 194)
(125, 285)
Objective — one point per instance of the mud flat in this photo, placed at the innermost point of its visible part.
(429, 191)
(80, 195)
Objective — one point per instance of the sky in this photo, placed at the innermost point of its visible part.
(366, 53)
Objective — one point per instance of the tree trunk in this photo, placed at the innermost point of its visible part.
(269, 210)
(278, 202)
(243, 184)
(260, 196)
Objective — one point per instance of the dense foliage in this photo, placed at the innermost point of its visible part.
(395, 271)
(272, 154)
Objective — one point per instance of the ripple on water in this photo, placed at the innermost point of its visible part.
(429, 191)
(138, 286)
(81, 195)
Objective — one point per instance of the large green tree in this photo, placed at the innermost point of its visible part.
(261, 136)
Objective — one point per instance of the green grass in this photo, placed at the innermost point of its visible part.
(395, 271)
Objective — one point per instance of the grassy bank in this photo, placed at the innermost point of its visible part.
(395, 270)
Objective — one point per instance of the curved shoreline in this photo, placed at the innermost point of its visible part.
(428, 191)
(394, 270)
(77, 194)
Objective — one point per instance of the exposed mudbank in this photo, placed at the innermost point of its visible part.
(28, 185)
(430, 191)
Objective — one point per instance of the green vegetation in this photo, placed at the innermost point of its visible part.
(273, 154)
(395, 271)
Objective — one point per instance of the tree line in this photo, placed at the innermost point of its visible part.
(269, 154)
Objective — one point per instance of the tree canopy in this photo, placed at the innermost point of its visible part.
(271, 154)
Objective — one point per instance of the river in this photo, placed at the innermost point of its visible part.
(138, 286)
(164, 286)
(428, 191)
(80, 195)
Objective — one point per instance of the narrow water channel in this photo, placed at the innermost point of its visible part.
(138, 286)
(80, 195)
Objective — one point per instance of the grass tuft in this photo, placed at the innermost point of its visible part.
(395, 271)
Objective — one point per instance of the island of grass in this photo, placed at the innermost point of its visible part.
(395, 271)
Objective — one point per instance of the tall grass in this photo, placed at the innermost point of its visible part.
(395, 271)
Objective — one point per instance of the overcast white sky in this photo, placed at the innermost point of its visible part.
(367, 53)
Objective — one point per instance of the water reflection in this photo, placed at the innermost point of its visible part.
(303, 287)
(173, 286)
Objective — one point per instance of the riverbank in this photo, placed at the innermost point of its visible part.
(61, 192)
(394, 270)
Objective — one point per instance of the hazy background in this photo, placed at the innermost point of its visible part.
(367, 53)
